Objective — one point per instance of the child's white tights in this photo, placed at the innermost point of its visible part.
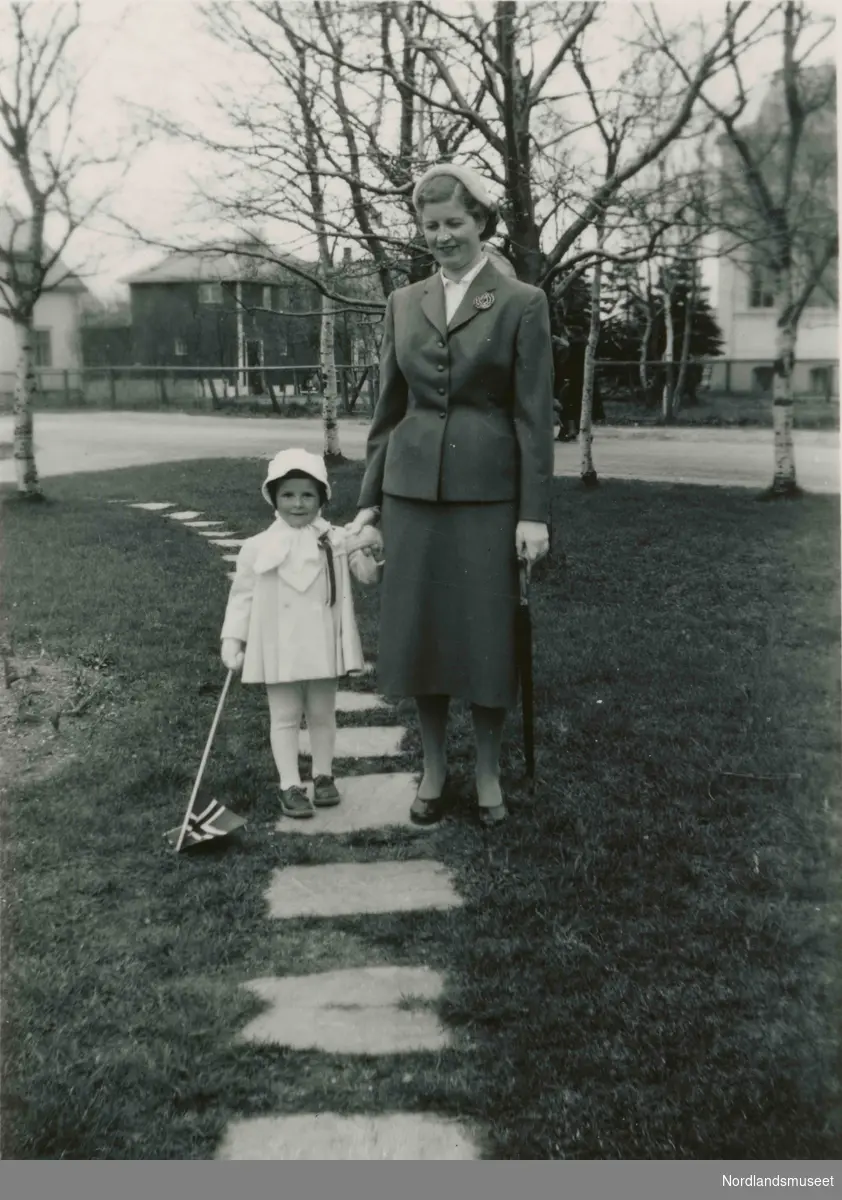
(288, 702)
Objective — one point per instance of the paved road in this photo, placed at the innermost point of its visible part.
(99, 441)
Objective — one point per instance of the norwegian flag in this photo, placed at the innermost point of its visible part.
(215, 821)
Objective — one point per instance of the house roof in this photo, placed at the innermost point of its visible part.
(214, 265)
(14, 240)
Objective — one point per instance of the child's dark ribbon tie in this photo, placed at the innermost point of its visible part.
(324, 544)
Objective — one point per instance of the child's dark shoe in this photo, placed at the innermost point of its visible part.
(296, 803)
(325, 792)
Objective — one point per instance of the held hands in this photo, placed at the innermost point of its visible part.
(366, 516)
(365, 553)
(233, 654)
(532, 541)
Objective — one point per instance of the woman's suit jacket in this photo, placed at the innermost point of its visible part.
(465, 412)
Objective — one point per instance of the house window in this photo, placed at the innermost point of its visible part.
(821, 383)
(180, 347)
(210, 293)
(267, 295)
(761, 292)
(42, 349)
(762, 379)
(281, 343)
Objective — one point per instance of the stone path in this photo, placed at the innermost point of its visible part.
(366, 1011)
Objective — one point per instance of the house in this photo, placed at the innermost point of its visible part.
(106, 334)
(745, 297)
(747, 316)
(209, 309)
(57, 316)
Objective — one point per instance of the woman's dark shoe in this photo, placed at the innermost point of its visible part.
(428, 812)
(493, 816)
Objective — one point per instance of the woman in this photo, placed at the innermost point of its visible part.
(459, 462)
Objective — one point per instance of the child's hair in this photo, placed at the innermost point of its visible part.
(272, 488)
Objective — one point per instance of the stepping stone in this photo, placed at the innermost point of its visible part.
(199, 524)
(151, 506)
(383, 741)
(365, 1011)
(215, 533)
(368, 802)
(330, 1137)
(230, 557)
(358, 701)
(227, 543)
(231, 575)
(183, 516)
(354, 889)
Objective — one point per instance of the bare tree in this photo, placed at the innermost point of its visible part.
(461, 82)
(304, 86)
(396, 85)
(779, 196)
(39, 95)
(516, 102)
(619, 112)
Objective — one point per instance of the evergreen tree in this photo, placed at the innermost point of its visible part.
(705, 335)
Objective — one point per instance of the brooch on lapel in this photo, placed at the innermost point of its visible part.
(484, 301)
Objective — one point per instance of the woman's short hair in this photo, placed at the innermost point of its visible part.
(272, 488)
(441, 188)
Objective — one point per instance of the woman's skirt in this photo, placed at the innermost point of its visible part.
(448, 601)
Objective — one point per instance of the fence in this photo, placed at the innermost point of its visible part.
(816, 379)
(279, 389)
(288, 390)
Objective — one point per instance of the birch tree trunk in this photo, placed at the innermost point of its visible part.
(587, 472)
(783, 483)
(25, 390)
(647, 337)
(330, 393)
(668, 358)
(687, 332)
(644, 351)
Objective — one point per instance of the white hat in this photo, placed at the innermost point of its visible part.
(469, 179)
(295, 460)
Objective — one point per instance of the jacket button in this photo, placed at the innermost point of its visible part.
(442, 416)
(441, 343)
(440, 367)
(441, 391)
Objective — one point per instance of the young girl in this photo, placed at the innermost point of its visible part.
(290, 620)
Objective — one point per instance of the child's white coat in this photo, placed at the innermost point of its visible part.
(279, 603)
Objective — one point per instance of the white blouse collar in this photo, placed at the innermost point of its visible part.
(467, 279)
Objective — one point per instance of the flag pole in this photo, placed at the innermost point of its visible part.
(203, 763)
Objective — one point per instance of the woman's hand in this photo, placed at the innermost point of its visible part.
(532, 541)
(366, 516)
(233, 654)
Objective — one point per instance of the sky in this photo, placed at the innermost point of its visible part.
(156, 54)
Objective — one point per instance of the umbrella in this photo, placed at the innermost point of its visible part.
(214, 820)
(523, 650)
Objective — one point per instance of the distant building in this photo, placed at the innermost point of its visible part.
(106, 334)
(745, 299)
(745, 311)
(233, 310)
(58, 312)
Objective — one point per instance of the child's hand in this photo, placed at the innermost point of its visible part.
(364, 565)
(233, 654)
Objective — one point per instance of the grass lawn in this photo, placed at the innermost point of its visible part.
(647, 962)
